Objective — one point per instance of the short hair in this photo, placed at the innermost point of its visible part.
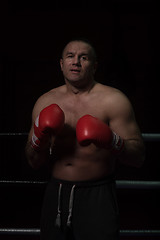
(85, 40)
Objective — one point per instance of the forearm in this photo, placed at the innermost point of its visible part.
(133, 153)
(36, 158)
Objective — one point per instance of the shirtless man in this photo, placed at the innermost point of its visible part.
(85, 129)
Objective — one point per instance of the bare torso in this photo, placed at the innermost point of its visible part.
(79, 96)
(70, 160)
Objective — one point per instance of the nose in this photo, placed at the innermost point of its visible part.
(76, 61)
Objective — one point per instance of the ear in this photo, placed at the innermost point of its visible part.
(61, 64)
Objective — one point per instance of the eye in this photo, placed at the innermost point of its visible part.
(84, 58)
(69, 56)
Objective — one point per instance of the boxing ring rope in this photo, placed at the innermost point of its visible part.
(154, 137)
(36, 231)
(20, 231)
(146, 136)
(121, 184)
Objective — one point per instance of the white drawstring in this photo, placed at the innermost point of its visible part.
(58, 218)
(70, 206)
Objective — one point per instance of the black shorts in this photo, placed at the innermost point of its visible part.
(80, 211)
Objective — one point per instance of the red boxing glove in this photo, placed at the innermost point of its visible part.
(49, 122)
(92, 130)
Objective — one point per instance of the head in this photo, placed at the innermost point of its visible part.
(78, 62)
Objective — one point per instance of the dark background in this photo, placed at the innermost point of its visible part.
(124, 33)
(126, 37)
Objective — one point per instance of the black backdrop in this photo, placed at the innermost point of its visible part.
(125, 35)
(33, 33)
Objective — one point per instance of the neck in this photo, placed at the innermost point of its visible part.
(73, 88)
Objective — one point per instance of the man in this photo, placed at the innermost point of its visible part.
(85, 129)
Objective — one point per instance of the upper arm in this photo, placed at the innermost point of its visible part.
(122, 118)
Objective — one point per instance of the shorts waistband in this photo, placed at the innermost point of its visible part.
(87, 183)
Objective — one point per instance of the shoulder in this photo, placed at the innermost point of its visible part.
(46, 99)
(106, 89)
(115, 100)
(110, 94)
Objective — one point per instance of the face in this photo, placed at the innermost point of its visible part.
(78, 63)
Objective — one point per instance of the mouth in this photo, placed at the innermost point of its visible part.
(75, 70)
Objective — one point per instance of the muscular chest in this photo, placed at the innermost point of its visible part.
(74, 109)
